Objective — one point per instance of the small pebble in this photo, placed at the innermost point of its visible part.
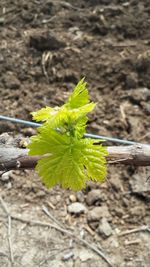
(5, 176)
(93, 196)
(85, 255)
(80, 196)
(104, 228)
(40, 194)
(68, 256)
(77, 208)
(97, 213)
(72, 198)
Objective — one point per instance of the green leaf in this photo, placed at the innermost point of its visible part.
(60, 164)
(80, 96)
(66, 158)
(80, 127)
(46, 141)
(72, 116)
(67, 161)
(94, 160)
(42, 114)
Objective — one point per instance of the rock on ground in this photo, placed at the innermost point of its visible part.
(93, 196)
(77, 208)
(104, 228)
(97, 213)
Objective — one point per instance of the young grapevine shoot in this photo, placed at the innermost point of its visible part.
(67, 158)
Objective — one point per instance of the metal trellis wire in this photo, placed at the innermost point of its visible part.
(89, 135)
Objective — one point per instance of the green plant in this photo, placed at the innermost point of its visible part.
(68, 158)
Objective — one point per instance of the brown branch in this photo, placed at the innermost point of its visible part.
(14, 157)
(138, 154)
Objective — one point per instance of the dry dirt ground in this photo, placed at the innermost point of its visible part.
(45, 48)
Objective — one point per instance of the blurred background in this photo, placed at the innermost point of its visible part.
(46, 47)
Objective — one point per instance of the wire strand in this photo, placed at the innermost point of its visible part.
(89, 135)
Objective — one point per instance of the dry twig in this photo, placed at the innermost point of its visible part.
(136, 230)
(46, 211)
(45, 57)
(9, 229)
(87, 244)
(64, 231)
(50, 256)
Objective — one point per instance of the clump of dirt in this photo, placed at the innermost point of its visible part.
(45, 48)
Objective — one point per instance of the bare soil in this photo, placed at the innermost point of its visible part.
(45, 48)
